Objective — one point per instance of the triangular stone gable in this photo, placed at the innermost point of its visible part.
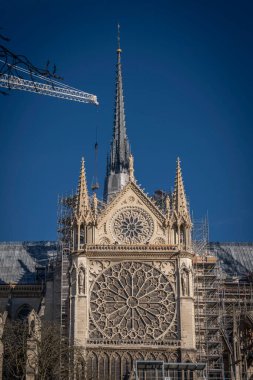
(130, 196)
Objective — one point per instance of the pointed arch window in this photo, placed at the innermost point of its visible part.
(182, 234)
(23, 312)
(82, 234)
(115, 367)
(175, 233)
(75, 236)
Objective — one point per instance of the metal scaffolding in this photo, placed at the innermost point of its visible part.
(207, 316)
(65, 218)
(200, 236)
(223, 312)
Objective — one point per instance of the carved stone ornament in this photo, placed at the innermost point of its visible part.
(166, 267)
(104, 241)
(96, 267)
(34, 325)
(159, 240)
(132, 301)
(132, 225)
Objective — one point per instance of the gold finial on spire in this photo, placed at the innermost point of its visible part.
(119, 49)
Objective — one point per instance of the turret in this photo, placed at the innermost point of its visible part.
(180, 220)
(82, 212)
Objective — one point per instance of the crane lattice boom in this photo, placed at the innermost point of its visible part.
(65, 92)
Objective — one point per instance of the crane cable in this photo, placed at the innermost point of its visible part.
(95, 183)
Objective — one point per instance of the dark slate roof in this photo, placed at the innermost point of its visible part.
(236, 258)
(19, 260)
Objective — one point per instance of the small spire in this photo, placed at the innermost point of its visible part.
(179, 203)
(82, 202)
(131, 168)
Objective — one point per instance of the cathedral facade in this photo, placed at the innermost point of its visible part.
(131, 276)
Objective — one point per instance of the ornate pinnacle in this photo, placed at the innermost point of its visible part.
(179, 203)
(82, 202)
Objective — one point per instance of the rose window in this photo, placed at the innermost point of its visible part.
(132, 225)
(132, 300)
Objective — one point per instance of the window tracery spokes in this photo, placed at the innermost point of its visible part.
(132, 225)
(132, 300)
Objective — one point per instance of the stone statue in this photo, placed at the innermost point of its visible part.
(131, 168)
(95, 204)
(2, 323)
(185, 283)
(81, 281)
(31, 325)
(167, 205)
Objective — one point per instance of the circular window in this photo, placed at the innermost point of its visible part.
(132, 300)
(132, 225)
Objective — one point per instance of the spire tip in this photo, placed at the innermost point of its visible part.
(119, 49)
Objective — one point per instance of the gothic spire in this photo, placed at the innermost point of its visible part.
(119, 160)
(118, 164)
(82, 201)
(179, 203)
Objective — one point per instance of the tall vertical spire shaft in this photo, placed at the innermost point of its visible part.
(118, 165)
(120, 145)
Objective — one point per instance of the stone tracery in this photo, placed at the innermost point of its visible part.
(113, 366)
(132, 225)
(132, 301)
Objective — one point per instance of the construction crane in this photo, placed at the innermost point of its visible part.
(50, 88)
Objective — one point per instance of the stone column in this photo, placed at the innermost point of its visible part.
(34, 337)
(3, 317)
(186, 308)
(78, 301)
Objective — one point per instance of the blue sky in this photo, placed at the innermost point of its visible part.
(187, 72)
